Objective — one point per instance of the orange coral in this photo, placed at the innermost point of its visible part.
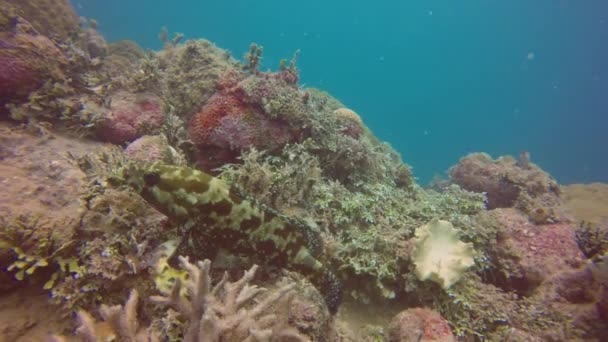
(207, 119)
(228, 124)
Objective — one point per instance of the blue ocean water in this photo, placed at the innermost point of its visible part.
(437, 79)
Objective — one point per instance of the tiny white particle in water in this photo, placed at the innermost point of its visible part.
(381, 58)
(426, 132)
(530, 56)
(430, 12)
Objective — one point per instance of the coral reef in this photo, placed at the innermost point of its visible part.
(94, 43)
(40, 210)
(309, 191)
(221, 217)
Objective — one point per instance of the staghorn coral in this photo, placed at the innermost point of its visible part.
(229, 311)
(119, 323)
(253, 58)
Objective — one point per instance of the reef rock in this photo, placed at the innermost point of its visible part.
(130, 117)
(27, 60)
(528, 254)
(511, 183)
(190, 74)
(41, 197)
(587, 202)
(54, 18)
(149, 149)
(350, 122)
(419, 325)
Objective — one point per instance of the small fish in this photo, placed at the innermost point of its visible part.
(217, 216)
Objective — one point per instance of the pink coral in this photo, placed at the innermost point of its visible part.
(419, 324)
(131, 116)
(530, 254)
(26, 61)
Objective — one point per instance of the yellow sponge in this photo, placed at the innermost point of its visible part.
(439, 255)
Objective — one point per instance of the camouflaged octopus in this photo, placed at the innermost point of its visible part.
(215, 215)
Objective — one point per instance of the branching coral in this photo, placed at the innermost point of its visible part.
(229, 311)
(120, 323)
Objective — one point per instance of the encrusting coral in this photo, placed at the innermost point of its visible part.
(229, 311)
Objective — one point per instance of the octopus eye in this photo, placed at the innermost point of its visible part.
(151, 178)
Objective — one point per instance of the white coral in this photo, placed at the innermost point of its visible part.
(229, 311)
(439, 255)
(119, 323)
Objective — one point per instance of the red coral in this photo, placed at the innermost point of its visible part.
(219, 106)
(226, 125)
(130, 117)
(419, 324)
